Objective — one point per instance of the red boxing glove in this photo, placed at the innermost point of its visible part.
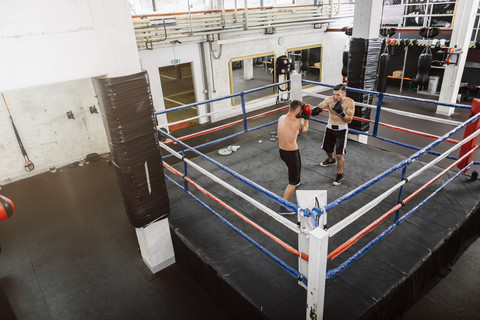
(308, 109)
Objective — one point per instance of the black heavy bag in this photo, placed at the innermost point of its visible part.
(283, 65)
(127, 110)
(424, 63)
(362, 72)
(345, 64)
(383, 72)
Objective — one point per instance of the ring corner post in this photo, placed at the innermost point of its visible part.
(470, 129)
(459, 43)
(244, 111)
(317, 269)
(377, 115)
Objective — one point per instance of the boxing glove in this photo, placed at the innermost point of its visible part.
(316, 111)
(306, 112)
(338, 108)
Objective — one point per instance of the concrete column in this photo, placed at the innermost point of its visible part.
(247, 69)
(156, 245)
(366, 25)
(462, 32)
(366, 19)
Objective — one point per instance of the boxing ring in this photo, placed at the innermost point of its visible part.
(367, 252)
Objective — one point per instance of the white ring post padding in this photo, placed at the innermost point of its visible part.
(292, 226)
(317, 270)
(360, 212)
(399, 112)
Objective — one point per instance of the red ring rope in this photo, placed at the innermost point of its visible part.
(349, 242)
(196, 134)
(335, 253)
(418, 133)
(250, 222)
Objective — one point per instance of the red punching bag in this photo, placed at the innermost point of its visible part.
(6, 208)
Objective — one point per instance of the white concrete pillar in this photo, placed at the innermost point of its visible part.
(156, 245)
(247, 69)
(462, 32)
(367, 18)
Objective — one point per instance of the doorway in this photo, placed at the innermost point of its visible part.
(178, 90)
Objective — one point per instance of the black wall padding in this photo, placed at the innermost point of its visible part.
(345, 64)
(383, 72)
(424, 64)
(129, 119)
(362, 72)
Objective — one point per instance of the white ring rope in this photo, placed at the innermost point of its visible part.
(394, 111)
(292, 226)
(360, 212)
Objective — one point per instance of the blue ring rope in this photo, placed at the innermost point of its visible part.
(333, 272)
(191, 105)
(375, 93)
(293, 272)
(388, 140)
(330, 273)
(292, 206)
(401, 164)
(247, 181)
(235, 134)
(207, 144)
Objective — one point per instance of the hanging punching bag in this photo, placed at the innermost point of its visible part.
(383, 72)
(424, 63)
(284, 65)
(6, 208)
(345, 64)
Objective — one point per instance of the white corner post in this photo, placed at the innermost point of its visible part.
(296, 86)
(466, 11)
(317, 270)
(156, 245)
(313, 242)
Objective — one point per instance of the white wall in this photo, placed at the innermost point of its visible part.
(52, 41)
(49, 137)
(49, 50)
(238, 45)
(333, 46)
